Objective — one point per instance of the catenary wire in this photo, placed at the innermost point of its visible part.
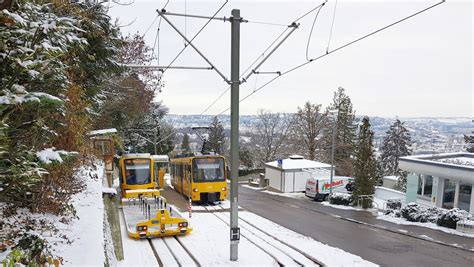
(194, 37)
(311, 31)
(332, 26)
(147, 29)
(245, 71)
(309, 12)
(267, 23)
(334, 50)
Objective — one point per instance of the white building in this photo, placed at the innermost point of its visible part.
(442, 180)
(292, 173)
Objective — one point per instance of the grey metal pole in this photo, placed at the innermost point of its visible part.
(234, 131)
(155, 141)
(332, 154)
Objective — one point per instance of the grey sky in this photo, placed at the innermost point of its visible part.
(421, 67)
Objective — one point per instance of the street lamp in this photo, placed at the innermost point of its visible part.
(333, 115)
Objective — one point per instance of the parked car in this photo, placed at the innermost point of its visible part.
(318, 188)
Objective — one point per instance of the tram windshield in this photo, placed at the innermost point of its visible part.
(208, 169)
(137, 171)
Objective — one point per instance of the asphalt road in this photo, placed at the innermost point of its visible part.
(376, 245)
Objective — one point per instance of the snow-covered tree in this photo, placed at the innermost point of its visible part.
(310, 123)
(54, 59)
(469, 140)
(365, 164)
(396, 144)
(345, 127)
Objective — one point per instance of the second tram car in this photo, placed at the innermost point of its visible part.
(201, 178)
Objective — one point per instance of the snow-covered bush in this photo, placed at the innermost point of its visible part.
(340, 199)
(451, 217)
(394, 204)
(411, 212)
(393, 212)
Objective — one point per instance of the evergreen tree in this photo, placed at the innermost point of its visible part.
(185, 144)
(469, 140)
(216, 136)
(396, 144)
(365, 164)
(245, 157)
(56, 59)
(345, 133)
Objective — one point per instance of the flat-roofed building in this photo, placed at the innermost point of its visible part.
(443, 180)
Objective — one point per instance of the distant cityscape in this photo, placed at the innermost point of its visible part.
(429, 135)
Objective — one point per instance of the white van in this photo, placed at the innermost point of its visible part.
(318, 188)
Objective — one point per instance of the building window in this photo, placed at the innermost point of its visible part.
(448, 194)
(420, 185)
(465, 191)
(428, 185)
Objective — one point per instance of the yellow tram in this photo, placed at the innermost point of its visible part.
(137, 176)
(146, 213)
(201, 178)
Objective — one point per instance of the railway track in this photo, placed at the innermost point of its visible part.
(283, 253)
(170, 251)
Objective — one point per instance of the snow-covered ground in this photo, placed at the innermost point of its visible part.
(81, 241)
(88, 245)
(292, 195)
(209, 245)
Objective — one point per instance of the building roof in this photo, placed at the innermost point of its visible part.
(457, 166)
(297, 163)
(103, 131)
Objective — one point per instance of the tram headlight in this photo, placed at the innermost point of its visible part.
(141, 228)
(224, 188)
(195, 190)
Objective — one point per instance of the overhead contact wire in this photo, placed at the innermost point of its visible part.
(244, 72)
(332, 26)
(311, 32)
(336, 49)
(202, 28)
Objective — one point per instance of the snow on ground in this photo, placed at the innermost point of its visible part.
(85, 234)
(328, 255)
(136, 252)
(403, 221)
(341, 207)
(209, 242)
(292, 195)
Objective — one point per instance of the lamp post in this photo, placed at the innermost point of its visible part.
(334, 129)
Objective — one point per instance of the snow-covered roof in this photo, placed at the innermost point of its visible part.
(161, 158)
(391, 177)
(297, 163)
(103, 131)
(459, 159)
(456, 166)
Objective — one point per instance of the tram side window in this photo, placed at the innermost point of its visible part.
(137, 171)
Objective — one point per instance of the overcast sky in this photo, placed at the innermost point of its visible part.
(421, 67)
